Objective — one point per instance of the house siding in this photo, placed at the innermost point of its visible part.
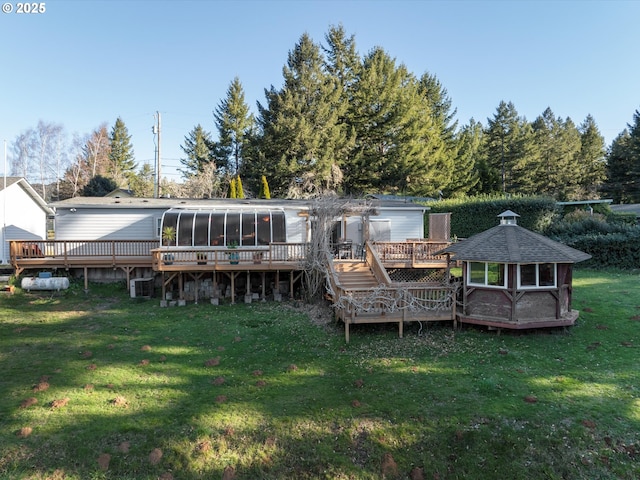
(23, 217)
(107, 224)
(404, 223)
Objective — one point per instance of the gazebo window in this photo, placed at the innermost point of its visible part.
(487, 274)
(537, 275)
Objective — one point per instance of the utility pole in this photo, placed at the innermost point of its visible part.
(156, 130)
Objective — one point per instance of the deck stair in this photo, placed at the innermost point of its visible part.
(355, 275)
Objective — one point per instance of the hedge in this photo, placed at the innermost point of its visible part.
(474, 215)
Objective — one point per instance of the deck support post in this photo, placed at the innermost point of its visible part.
(86, 280)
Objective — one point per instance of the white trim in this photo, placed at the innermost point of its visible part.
(486, 275)
(537, 286)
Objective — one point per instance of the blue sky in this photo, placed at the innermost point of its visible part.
(82, 63)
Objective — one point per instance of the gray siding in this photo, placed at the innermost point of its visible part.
(405, 223)
(107, 224)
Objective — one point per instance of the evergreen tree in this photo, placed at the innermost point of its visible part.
(465, 178)
(623, 165)
(239, 188)
(234, 123)
(502, 167)
(301, 132)
(264, 188)
(558, 142)
(142, 183)
(121, 158)
(99, 186)
(397, 149)
(591, 159)
(233, 188)
(619, 182)
(198, 148)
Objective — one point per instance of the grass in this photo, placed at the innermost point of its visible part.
(100, 386)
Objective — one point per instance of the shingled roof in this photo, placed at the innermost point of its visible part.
(511, 243)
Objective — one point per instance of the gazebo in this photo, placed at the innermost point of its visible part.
(515, 278)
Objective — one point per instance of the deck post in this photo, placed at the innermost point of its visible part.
(264, 296)
(86, 280)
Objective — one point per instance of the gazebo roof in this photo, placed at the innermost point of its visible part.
(511, 243)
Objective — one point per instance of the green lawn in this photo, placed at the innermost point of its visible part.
(101, 386)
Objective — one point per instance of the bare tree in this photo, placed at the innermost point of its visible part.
(96, 151)
(38, 154)
(21, 158)
(325, 212)
(205, 184)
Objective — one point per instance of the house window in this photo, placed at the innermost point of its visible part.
(537, 275)
(487, 274)
(158, 226)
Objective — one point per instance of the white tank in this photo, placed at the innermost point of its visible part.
(51, 283)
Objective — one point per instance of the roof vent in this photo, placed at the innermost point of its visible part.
(508, 218)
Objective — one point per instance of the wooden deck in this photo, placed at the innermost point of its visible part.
(128, 255)
(362, 292)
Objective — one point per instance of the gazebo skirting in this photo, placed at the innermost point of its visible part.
(566, 320)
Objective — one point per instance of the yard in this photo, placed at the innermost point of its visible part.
(101, 386)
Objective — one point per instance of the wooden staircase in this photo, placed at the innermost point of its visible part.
(355, 275)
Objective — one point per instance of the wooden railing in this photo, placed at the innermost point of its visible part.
(69, 249)
(389, 301)
(172, 258)
(411, 252)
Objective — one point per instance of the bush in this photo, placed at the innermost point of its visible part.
(477, 214)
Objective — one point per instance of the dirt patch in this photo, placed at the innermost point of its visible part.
(212, 362)
(28, 402)
(24, 432)
(59, 403)
(155, 456)
(120, 401)
(103, 461)
(41, 387)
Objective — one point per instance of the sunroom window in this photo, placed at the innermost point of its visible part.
(488, 274)
(537, 275)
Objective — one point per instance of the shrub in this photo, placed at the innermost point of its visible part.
(477, 214)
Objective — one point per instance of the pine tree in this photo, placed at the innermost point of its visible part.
(465, 178)
(198, 148)
(233, 188)
(504, 153)
(558, 142)
(619, 181)
(121, 158)
(234, 123)
(142, 183)
(398, 148)
(99, 186)
(591, 159)
(301, 133)
(623, 165)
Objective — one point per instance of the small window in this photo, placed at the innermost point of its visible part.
(537, 275)
(488, 274)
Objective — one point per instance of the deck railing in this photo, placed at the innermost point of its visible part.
(68, 249)
(389, 301)
(413, 252)
(172, 258)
